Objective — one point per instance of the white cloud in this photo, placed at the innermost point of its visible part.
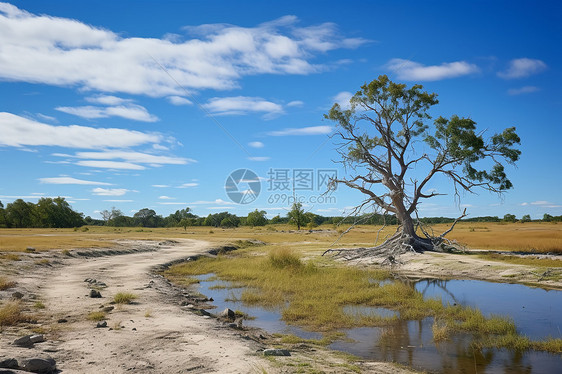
(240, 105)
(313, 130)
(522, 67)
(109, 191)
(166, 198)
(217, 201)
(110, 165)
(70, 180)
(414, 71)
(131, 156)
(119, 201)
(296, 103)
(343, 99)
(160, 147)
(19, 131)
(172, 203)
(256, 144)
(107, 100)
(61, 51)
(540, 202)
(129, 111)
(46, 118)
(160, 185)
(259, 158)
(178, 100)
(187, 185)
(522, 90)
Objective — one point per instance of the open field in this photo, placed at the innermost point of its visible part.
(527, 237)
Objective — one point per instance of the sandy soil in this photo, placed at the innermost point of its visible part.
(457, 266)
(155, 334)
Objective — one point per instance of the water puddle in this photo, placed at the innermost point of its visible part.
(537, 313)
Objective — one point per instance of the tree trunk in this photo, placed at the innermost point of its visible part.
(409, 232)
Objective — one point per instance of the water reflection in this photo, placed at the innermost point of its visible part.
(536, 313)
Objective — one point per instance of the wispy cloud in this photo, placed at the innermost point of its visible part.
(110, 191)
(342, 99)
(128, 111)
(166, 198)
(70, 180)
(108, 100)
(295, 103)
(110, 165)
(313, 130)
(63, 52)
(19, 131)
(522, 90)
(256, 144)
(217, 201)
(188, 185)
(179, 100)
(240, 105)
(414, 71)
(259, 158)
(160, 185)
(131, 156)
(119, 201)
(522, 67)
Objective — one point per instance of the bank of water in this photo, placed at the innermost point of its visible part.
(537, 313)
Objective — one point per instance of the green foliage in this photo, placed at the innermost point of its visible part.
(223, 219)
(257, 218)
(47, 212)
(509, 218)
(525, 218)
(297, 216)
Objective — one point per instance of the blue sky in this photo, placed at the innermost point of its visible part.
(138, 104)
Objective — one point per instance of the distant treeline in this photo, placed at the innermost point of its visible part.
(57, 213)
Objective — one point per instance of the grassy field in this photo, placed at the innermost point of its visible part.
(535, 237)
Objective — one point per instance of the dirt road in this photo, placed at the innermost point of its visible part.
(152, 335)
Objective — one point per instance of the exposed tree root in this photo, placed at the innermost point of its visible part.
(394, 247)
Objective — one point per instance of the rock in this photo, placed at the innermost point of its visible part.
(276, 352)
(9, 363)
(30, 249)
(204, 313)
(227, 314)
(62, 320)
(38, 365)
(37, 338)
(108, 309)
(94, 294)
(24, 341)
(17, 295)
(101, 324)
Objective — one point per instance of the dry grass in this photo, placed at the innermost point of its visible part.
(6, 284)
(11, 313)
(535, 236)
(96, 316)
(124, 298)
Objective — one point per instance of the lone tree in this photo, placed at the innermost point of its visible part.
(386, 135)
(297, 215)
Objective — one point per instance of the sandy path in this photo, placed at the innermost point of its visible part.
(171, 340)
